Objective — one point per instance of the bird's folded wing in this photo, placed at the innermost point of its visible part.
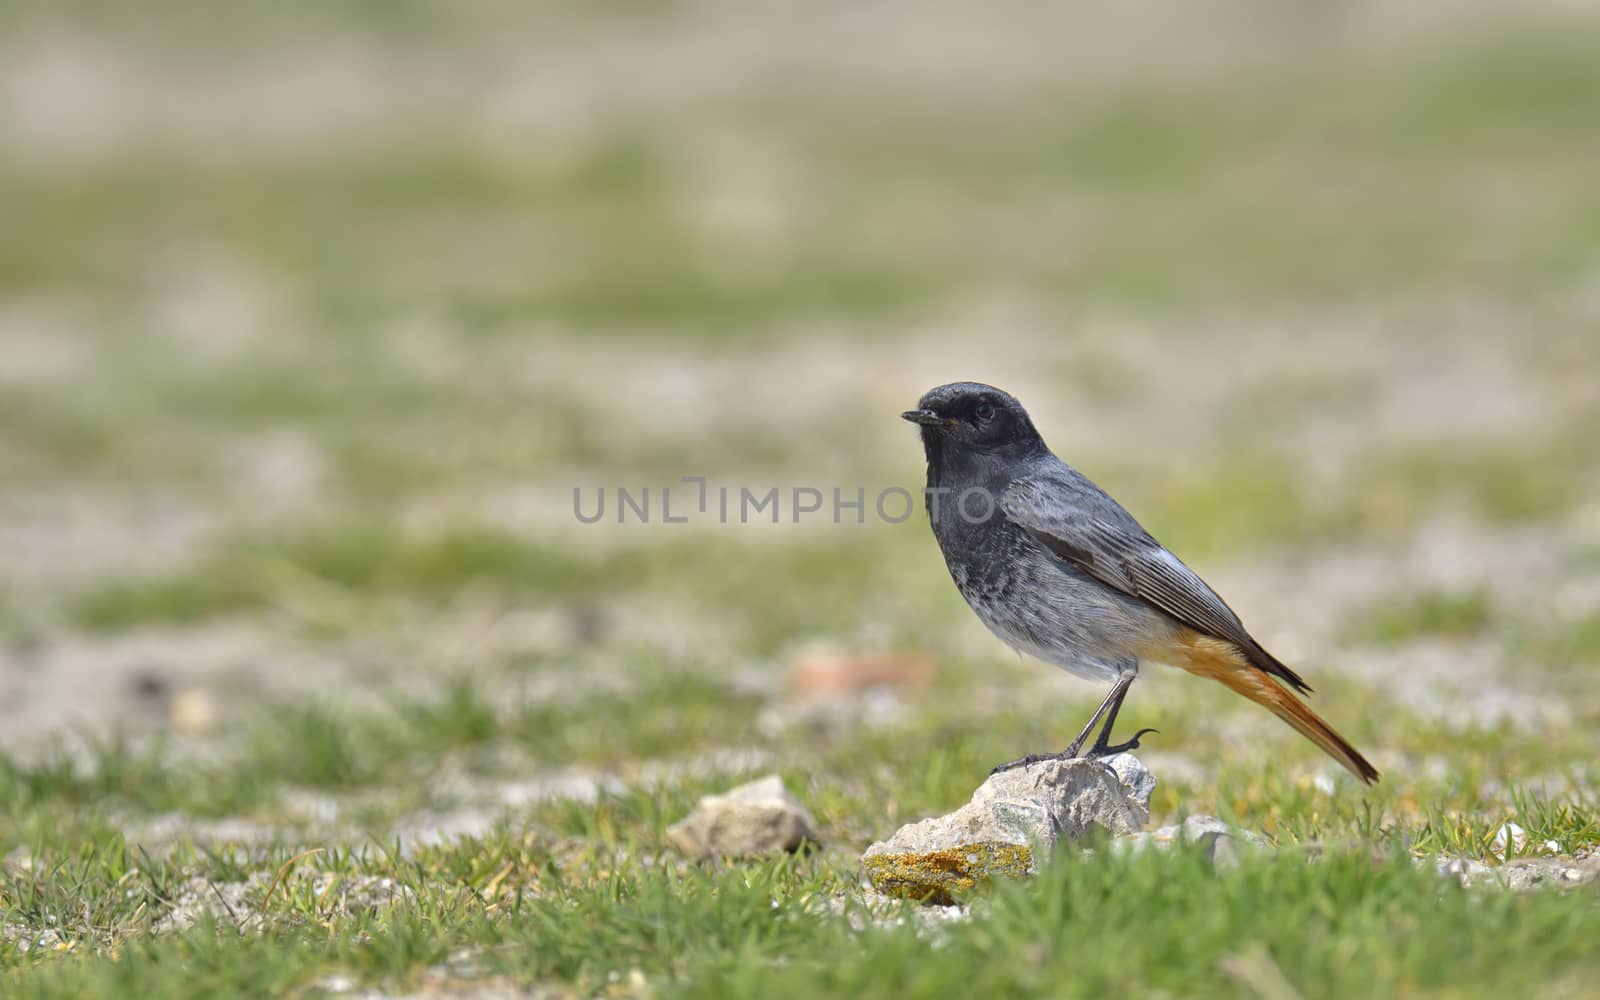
(1118, 552)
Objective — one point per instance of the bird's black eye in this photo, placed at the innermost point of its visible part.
(985, 411)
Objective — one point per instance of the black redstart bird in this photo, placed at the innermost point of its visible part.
(1057, 569)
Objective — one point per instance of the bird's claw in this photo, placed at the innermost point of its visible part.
(1123, 747)
(1072, 752)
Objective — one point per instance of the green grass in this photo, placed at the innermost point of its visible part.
(569, 893)
(1157, 922)
(857, 778)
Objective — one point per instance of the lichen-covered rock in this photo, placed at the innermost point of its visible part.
(760, 817)
(1012, 820)
(939, 877)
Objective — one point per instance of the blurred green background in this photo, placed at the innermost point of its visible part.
(312, 316)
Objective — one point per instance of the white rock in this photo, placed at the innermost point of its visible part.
(1136, 779)
(760, 817)
(1013, 819)
(1040, 804)
(1509, 839)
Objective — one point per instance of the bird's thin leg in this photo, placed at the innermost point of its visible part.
(1111, 704)
(1102, 747)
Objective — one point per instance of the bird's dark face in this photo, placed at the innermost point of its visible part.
(969, 420)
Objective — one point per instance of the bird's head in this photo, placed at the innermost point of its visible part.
(970, 418)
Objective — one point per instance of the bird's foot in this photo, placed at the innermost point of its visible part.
(1102, 750)
(1036, 758)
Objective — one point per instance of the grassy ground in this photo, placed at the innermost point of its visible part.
(315, 684)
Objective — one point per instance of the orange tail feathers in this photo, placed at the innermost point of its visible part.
(1218, 659)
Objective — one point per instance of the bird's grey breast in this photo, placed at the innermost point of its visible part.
(1037, 603)
(982, 556)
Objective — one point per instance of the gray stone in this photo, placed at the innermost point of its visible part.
(1550, 873)
(1467, 871)
(1012, 819)
(1524, 874)
(1219, 842)
(760, 817)
(1136, 779)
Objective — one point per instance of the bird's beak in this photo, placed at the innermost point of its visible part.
(926, 418)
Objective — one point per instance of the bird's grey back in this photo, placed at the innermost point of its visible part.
(1080, 523)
